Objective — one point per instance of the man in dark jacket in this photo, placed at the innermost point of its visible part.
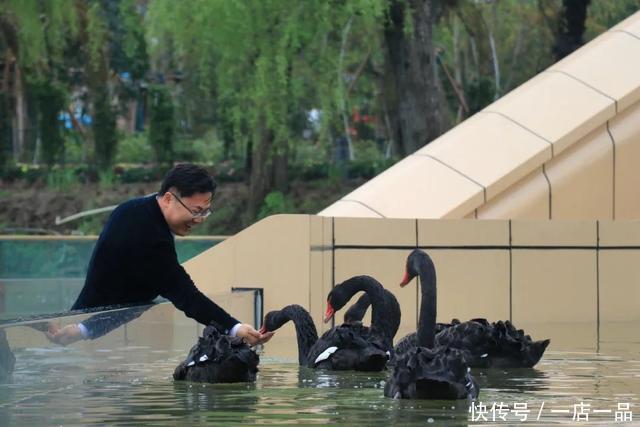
(135, 258)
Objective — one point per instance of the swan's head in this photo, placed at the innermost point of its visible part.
(328, 314)
(341, 294)
(416, 261)
(337, 299)
(273, 321)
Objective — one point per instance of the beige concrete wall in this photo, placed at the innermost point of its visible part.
(572, 281)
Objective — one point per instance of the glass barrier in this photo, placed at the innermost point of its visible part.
(44, 275)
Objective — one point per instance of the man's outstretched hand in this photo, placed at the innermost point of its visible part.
(64, 336)
(251, 336)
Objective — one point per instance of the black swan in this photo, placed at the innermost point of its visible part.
(429, 370)
(218, 358)
(345, 347)
(385, 315)
(486, 345)
(356, 312)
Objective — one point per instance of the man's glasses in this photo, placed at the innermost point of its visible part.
(196, 214)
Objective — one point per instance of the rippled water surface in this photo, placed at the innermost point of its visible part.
(133, 386)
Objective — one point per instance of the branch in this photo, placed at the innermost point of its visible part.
(345, 119)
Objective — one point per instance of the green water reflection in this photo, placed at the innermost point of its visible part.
(66, 386)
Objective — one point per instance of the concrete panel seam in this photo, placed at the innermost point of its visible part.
(417, 307)
(363, 204)
(520, 125)
(598, 285)
(625, 32)
(613, 144)
(333, 261)
(595, 89)
(510, 273)
(484, 189)
(544, 173)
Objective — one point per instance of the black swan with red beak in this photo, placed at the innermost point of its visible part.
(485, 345)
(428, 370)
(218, 358)
(385, 315)
(348, 346)
(344, 347)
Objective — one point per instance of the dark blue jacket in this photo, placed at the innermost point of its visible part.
(135, 260)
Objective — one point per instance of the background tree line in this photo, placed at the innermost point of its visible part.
(263, 88)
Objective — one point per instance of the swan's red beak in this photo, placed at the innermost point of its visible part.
(329, 313)
(263, 330)
(406, 279)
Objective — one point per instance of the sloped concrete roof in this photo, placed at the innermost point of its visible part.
(502, 146)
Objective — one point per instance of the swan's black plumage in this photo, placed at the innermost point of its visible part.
(218, 358)
(428, 370)
(485, 344)
(425, 373)
(356, 312)
(385, 315)
(347, 347)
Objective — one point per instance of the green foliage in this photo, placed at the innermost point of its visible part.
(134, 148)
(5, 135)
(265, 59)
(104, 131)
(275, 203)
(50, 100)
(43, 31)
(604, 14)
(107, 179)
(207, 149)
(133, 43)
(161, 128)
(62, 180)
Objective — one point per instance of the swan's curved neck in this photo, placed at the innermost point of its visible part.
(375, 291)
(428, 304)
(306, 332)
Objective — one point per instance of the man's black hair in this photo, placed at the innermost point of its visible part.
(188, 179)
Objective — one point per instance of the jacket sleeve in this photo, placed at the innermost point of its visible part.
(172, 282)
(102, 323)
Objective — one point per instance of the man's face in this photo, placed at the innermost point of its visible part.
(182, 213)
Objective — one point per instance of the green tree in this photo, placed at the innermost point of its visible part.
(264, 61)
(161, 128)
(50, 100)
(33, 37)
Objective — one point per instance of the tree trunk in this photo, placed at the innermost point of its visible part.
(261, 177)
(5, 109)
(411, 83)
(20, 119)
(572, 25)
(281, 169)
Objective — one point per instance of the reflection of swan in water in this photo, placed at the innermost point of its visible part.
(209, 401)
(218, 358)
(7, 359)
(516, 380)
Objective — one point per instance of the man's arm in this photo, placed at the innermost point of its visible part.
(173, 283)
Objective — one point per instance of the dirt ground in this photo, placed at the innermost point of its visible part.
(28, 209)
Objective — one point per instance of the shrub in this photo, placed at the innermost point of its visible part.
(275, 203)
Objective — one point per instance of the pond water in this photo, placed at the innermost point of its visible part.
(130, 384)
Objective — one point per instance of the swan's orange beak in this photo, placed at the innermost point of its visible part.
(263, 330)
(329, 313)
(406, 279)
